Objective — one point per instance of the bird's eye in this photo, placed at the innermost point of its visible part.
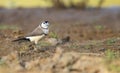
(46, 21)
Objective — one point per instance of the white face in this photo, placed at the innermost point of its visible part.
(45, 24)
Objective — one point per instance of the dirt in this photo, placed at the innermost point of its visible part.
(92, 34)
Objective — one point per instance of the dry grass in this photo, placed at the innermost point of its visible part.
(67, 58)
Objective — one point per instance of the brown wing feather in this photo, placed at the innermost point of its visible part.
(37, 31)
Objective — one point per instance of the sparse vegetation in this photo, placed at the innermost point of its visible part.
(110, 55)
(12, 27)
(53, 35)
(111, 61)
(44, 44)
(91, 49)
(114, 68)
(111, 41)
(74, 45)
(99, 27)
(2, 62)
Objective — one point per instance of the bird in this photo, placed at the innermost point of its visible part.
(37, 34)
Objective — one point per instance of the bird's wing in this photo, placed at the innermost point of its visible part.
(37, 31)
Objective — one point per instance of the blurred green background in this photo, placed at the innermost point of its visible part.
(50, 3)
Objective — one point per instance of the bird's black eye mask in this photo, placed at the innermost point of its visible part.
(46, 22)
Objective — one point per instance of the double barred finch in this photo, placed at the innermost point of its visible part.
(37, 34)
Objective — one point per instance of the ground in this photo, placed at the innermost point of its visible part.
(94, 44)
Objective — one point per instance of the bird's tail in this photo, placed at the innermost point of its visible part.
(20, 39)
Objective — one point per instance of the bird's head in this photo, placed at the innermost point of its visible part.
(45, 24)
